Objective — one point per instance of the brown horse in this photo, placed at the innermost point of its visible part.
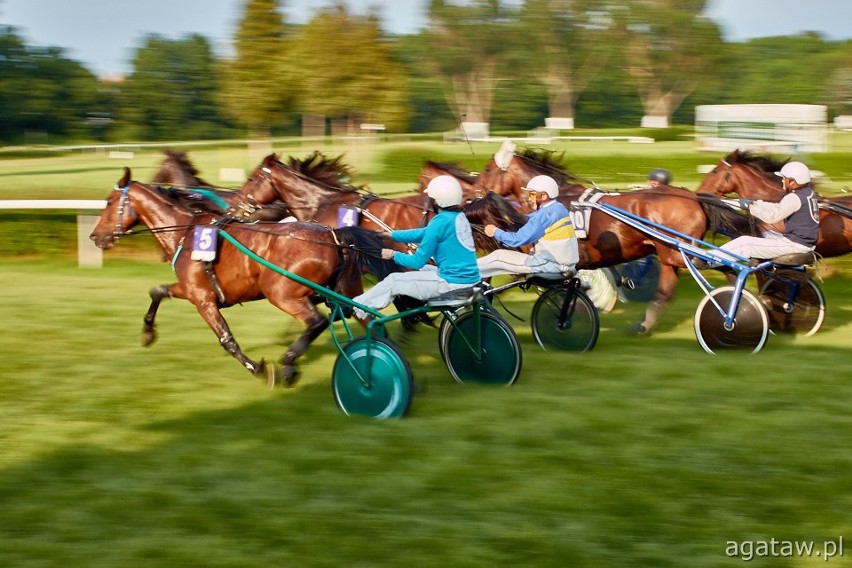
(432, 169)
(610, 242)
(177, 170)
(753, 177)
(334, 258)
(317, 189)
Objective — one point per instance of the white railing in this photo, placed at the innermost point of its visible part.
(88, 255)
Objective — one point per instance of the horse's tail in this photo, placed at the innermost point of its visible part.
(724, 220)
(363, 249)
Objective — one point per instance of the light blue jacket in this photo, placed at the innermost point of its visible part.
(449, 240)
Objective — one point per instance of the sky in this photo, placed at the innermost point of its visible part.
(104, 35)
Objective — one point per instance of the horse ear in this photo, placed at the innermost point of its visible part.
(125, 179)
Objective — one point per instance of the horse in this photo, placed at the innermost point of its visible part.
(334, 258)
(318, 189)
(610, 242)
(502, 172)
(177, 170)
(467, 179)
(753, 176)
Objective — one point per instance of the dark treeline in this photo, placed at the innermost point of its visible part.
(599, 64)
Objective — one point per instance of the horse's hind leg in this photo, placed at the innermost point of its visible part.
(315, 326)
(149, 331)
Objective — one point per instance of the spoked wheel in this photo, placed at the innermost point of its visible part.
(793, 306)
(750, 327)
(379, 362)
(499, 362)
(565, 319)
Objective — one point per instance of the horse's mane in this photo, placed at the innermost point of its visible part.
(766, 165)
(452, 169)
(181, 159)
(552, 163)
(492, 209)
(723, 220)
(182, 163)
(331, 173)
(188, 199)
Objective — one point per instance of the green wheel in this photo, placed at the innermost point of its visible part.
(565, 319)
(387, 393)
(500, 360)
(751, 325)
(793, 306)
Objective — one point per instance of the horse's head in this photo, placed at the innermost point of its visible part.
(176, 169)
(118, 216)
(746, 175)
(262, 185)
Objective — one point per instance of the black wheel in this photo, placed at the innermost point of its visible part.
(499, 362)
(444, 329)
(750, 328)
(379, 362)
(793, 306)
(565, 319)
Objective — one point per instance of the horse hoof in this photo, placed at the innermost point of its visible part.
(289, 375)
(639, 329)
(148, 338)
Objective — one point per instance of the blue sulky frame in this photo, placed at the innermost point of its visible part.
(735, 318)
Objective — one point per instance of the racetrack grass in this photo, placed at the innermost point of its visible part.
(644, 452)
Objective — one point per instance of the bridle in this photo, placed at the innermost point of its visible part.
(124, 205)
(729, 168)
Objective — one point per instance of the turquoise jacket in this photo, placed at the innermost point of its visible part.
(449, 240)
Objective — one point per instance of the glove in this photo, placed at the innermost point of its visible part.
(744, 203)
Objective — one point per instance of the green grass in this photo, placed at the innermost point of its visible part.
(643, 452)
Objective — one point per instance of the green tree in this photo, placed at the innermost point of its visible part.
(467, 46)
(42, 91)
(171, 92)
(349, 71)
(670, 49)
(567, 43)
(259, 83)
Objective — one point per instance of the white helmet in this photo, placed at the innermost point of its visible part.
(797, 171)
(445, 190)
(543, 184)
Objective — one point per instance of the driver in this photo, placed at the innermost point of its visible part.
(447, 239)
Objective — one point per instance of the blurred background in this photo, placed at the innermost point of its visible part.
(84, 72)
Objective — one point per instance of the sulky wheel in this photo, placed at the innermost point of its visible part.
(388, 389)
(750, 328)
(793, 306)
(499, 362)
(565, 319)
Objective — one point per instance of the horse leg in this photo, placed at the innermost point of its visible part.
(665, 293)
(149, 331)
(315, 323)
(210, 313)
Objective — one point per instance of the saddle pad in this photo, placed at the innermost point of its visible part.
(580, 216)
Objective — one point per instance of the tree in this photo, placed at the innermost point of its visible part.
(171, 92)
(259, 84)
(670, 48)
(349, 72)
(42, 91)
(568, 44)
(467, 46)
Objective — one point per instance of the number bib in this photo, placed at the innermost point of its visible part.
(204, 243)
(348, 216)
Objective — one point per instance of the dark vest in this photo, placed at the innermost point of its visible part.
(803, 225)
